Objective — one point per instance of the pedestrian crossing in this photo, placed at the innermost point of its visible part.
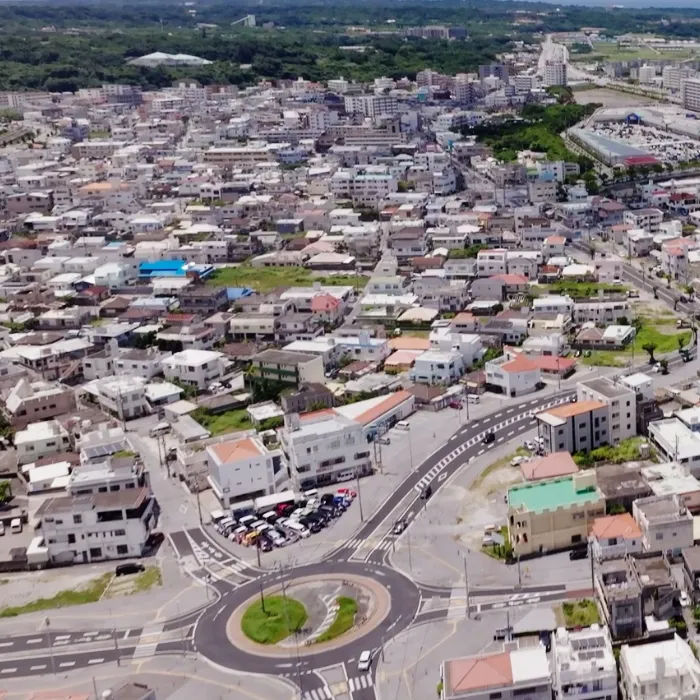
(359, 542)
(217, 569)
(322, 693)
(148, 641)
(360, 682)
(433, 473)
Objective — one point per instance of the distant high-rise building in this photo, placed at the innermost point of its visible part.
(690, 94)
(647, 74)
(499, 70)
(673, 75)
(554, 73)
(525, 83)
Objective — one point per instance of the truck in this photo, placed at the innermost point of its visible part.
(263, 504)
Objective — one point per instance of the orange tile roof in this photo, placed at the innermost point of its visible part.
(471, 674)
(519, 364)
(574, 409)
(236, 449)
(408, 342)
(390, 402)
(402, 357)
(549, 467)
(317, 414)
(623, 525)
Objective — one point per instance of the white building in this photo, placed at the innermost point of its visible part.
(114, 275)
(198, 368)
(665, 522)
(647, 74)
(40, 439)
(122, 396)
(322, 448)
(648, 220)
(553, 304)
(621, 402)
(97, 527)
(583, 664)
(554, 73)
(690, 94)
(468, 345)
(659, 671)
(438, 367)
(243, 469)
(514, 376)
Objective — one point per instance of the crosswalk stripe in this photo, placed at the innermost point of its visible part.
(351, 683)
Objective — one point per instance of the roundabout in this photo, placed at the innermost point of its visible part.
(332, 628)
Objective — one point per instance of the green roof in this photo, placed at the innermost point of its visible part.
(548, 495)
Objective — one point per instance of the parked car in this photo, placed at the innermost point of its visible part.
(456, 405)
(365, 661)
(684, 599)
(578, 553)
(132, 567)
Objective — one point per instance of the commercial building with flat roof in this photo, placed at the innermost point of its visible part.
(553, 514)
(622, 405)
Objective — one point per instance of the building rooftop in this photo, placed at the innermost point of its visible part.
(656, 661)
(662, 508)
(539, 496)
(621, 526)
(283, 357)
(235, 450)
(605, 387)
(553, 465)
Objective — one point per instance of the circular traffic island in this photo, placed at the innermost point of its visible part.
(272, 619)
(310, 616)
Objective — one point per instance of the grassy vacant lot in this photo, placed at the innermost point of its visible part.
(90, 593)
(281, 617)
(625, 451)
(220, 423)
(264, 279)
(664, 337)
(580, 613)
(344, 619)
(503, 462)
(610, 51)
(583, 289)
(150, 578)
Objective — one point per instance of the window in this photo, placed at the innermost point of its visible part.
(122, 549)
(119, 533)
(659, 535)
(71, 538)
(77, 519)
(95, 552)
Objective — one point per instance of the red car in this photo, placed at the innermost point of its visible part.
(348, 493)
(455, 404)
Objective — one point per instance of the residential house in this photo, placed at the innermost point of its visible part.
(29, 402)
(203, 300)
(615, 536)
(286, 367)
(665, 522)
(513, 376)
(40, 439)
(307, 398)
(242, 469)
(197, 368)
(621, 402)
(438, 367)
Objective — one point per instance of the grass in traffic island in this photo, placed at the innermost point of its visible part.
(344, 619)
(90, 593)
(280, 617)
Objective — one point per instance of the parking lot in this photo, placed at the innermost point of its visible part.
(406, 450)
(667, 147)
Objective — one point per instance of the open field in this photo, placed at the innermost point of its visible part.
(604, 50)
(612, 98)
(265, 279)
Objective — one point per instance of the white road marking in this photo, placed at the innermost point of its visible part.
(511, 432)
(6, 644)
(95, 661)
(498, 415)
(37, 640)
(510, 410)
(8, 670)
(499, 439)
(62, 636)
(66, 664)
(481, 452)
(37, 668)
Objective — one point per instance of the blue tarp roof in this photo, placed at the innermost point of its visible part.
(234, 293)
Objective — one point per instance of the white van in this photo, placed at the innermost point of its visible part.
(472, 398)
(15, 526)
(347, 475)
(297, 527)
(403, 425)
(311, 493)
(247, 520)
(159, 429)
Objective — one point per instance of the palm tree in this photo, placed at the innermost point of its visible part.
(650, 347)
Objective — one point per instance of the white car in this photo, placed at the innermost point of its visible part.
(516, 461)
(530, 445)
(365, 661)
(685, 599)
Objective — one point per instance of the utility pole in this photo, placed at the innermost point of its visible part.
(50, 646)
(520, 577)
(116, 645)
(466, 585)
(94, 687)
(359, 493)
(300, 681)
(410, 447)
(408, 541)
(199, 504)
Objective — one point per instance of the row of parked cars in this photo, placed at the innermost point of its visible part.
(288, 522)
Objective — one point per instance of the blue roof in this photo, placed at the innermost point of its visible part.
(162, 268)
(234, 293)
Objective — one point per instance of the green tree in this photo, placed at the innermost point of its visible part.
(650, 348)
(5, 491)
(682, 342)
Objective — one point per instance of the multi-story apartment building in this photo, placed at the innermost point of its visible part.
(203, 300)
(647, 219)
(574, 427)
(98, 526)
(690, 94)
(39, 440)
(583, 664)
(293, 368)
(621, 402)
(323, 448)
